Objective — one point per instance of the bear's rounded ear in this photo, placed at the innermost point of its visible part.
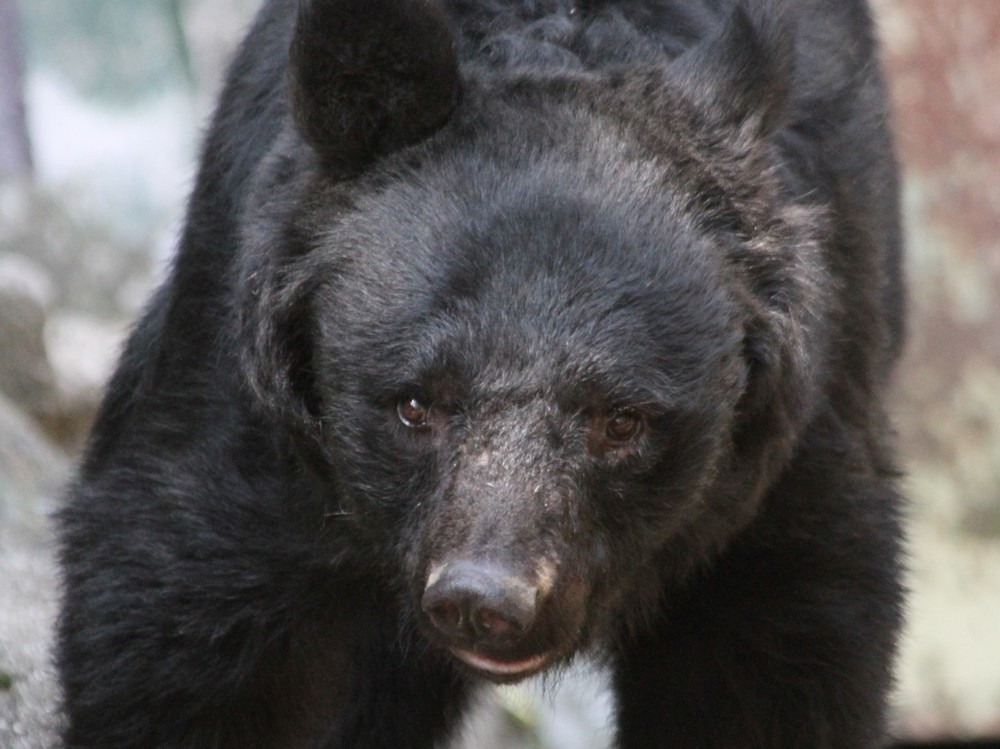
(743, 74)
(369, 77)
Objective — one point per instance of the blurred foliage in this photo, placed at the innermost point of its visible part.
(944, 69)
(92, 268)
(957, 485)
(142, 46)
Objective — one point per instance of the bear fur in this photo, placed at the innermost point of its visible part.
(502, 331)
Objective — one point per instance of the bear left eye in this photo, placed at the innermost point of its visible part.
(413, 412)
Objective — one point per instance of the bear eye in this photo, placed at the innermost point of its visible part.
(623, 426)
(413, 412)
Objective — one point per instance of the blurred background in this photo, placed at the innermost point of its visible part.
(101, 103)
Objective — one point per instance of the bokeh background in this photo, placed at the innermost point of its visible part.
(101, 102)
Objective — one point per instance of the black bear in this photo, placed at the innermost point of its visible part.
(502, 331)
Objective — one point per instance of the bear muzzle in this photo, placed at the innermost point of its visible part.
(485, 612)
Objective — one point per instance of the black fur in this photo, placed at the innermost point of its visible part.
(633, 269)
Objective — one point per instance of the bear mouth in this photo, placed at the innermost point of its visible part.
(502, 671)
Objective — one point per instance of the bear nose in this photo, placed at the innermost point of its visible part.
(479, 603)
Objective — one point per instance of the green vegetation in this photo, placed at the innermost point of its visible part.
(142, 45)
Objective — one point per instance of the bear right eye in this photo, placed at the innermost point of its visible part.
(623, 426)
(413, 412)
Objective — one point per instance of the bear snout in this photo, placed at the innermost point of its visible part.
(480, 604)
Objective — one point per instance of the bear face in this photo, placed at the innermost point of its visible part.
(553, 398)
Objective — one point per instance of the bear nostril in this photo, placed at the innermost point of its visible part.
(447, 616)
(494, 624)
(485, 604)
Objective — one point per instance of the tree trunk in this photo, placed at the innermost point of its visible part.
(15, 147)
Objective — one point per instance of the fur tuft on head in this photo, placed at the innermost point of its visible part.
(746, 70)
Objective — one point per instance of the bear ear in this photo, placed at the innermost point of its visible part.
(369, 77)
(743, 74)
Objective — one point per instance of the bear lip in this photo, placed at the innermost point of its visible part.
(499, 669)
